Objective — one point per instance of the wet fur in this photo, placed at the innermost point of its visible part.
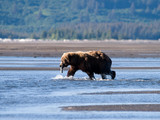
(90, 62)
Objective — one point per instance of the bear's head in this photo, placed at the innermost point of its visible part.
(64, 61)
(71, 58)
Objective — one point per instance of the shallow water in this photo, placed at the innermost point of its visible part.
(38, 95)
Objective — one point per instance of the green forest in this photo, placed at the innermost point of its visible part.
(80, 19)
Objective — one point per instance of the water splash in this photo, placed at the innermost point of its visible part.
(58, 77)
(61, 77)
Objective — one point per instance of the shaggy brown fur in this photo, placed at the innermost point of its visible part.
(90, 62)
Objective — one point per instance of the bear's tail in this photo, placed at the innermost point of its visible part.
(113, 74)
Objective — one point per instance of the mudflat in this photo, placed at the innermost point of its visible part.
(57, 48)
(129, 107)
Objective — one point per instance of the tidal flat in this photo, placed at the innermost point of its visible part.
(41, 92)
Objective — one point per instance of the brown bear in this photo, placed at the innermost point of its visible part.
(90, 62)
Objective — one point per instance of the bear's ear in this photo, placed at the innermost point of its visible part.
(86, 57)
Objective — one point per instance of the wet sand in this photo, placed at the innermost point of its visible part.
(123, 92)
(57, 48)
(128, 107)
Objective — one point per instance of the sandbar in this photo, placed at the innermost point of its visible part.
(123, 107)
(57, 48)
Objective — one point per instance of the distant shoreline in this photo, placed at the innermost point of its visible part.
(25, 40)
(113, 48)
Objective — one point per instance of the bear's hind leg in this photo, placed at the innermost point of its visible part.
(103, 76)
(112, 74)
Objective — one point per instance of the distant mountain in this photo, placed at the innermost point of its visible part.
(32, 17)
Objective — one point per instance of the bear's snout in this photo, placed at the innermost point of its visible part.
(61, 67)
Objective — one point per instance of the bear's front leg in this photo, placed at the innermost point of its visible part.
(72, 70)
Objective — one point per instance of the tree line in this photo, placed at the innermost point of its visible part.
(101, 31)
(80, 19)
